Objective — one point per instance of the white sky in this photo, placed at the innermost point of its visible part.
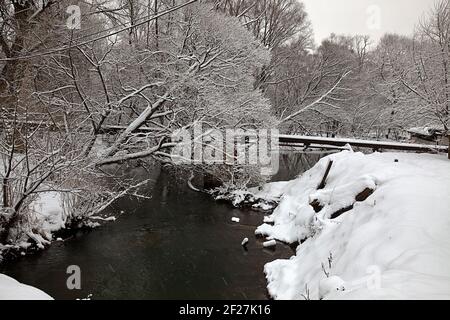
(370, 17)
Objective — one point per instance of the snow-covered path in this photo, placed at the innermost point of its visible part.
(393, 244)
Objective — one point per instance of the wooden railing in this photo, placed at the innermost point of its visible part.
(320, 142)
(284, 140)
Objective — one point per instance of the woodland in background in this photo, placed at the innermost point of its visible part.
(349, 85)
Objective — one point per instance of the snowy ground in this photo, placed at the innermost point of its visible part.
(394, 243)
(46, 215)
(265, 198)
(10, 289)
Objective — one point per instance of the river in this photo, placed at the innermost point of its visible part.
(179, 244)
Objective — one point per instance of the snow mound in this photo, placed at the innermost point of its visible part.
(271, 191)
(264, 199)
(380, 229)
(49, 212)
(11, 289)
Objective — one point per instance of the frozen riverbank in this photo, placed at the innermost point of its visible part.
(379, 229)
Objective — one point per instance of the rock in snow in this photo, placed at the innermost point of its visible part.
(11, 289)
(393, 244)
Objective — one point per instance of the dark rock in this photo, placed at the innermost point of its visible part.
(364, 195)
(317, 206)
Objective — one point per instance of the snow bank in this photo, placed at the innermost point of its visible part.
(46, 215)
(264, 199)
(271, 191)
(393, 243)
(48, 211)
(11, 289)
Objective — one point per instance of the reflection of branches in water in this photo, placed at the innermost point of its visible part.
(305, 159)
(299, 161)
(296, 163)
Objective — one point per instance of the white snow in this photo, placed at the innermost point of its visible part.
(426, 131)
(264, 198)
(271, 191)
(269, 244)
(107, 219)
(245, 242)
(322, 141)
(48, 209)
(11, 289)
(393, 245)
(331, 285)
(48, 214)
(234, 219)
(263, 206)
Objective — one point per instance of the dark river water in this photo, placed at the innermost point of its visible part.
(179, 244)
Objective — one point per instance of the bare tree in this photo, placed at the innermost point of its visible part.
(64, 90)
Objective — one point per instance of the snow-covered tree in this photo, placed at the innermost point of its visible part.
(136, 71)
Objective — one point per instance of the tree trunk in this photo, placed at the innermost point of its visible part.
(11, 76)
(6, 193)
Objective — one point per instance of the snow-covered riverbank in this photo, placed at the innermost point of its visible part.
(393, 243)
(46, 216)
(11, 289)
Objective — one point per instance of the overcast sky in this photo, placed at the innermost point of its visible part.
(372, 17)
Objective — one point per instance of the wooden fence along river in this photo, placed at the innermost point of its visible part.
(330, 143)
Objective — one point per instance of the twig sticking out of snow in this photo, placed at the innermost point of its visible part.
(324, 179)
(306, 295)
(325, 270)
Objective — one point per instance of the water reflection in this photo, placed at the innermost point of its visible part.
(177, 245)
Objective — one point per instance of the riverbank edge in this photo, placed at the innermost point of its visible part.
(350, 213)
